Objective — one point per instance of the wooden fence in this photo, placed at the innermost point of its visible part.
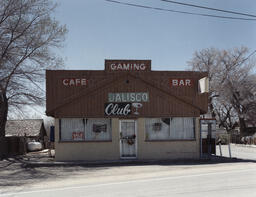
(10, 146)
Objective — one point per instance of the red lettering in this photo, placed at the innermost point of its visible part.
(78, 135)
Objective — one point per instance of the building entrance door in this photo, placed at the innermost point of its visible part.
(128, 140)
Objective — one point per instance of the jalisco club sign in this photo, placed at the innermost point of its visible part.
(124, 97)
(125, 103)
(117, 109)
(127, 65)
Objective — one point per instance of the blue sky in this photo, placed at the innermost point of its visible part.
(101, 30)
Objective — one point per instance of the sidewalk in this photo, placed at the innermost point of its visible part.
(239, 151)
(43, 159)
(245, 145)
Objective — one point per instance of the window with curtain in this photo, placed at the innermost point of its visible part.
(177, 128)
(84, 129)
(98, 129)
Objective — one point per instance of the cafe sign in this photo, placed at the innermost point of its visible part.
(127, 65)
(71, 82)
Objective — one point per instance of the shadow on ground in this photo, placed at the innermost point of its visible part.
(18, 171)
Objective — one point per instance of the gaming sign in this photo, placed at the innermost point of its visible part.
(127, 65)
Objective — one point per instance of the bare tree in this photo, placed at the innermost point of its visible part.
(232, 84)
(225, 114)
(28, 36)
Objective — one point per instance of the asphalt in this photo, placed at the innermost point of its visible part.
(36, 173)
(205, 177)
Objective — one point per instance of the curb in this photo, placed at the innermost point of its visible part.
(201, 161)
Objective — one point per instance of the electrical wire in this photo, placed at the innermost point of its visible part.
(208, 8)
(181, 12)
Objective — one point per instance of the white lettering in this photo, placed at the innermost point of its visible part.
(181, 82)
(132, 96)
(113, 66)
(138, 97)
(127, 109)
(127, 97)
(108, 109)
(119, 67)
(72, 82)
(174, 82)
(83, 82)
(188, 82)
(136, 67)
(126, 66)
(116, 109)
(65, 82)
(111, 97)
(145, 97)
(78, 81)
(118, 98)
(124, 97)
(142, 67)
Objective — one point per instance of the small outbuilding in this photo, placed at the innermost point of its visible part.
(126, 111)
(31, 129)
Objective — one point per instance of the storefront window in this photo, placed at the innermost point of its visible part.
(82, 129)
(170, 128)
(98, 129)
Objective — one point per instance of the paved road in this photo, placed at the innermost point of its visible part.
(239, 151)
(218, 179)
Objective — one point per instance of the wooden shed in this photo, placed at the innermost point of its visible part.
(126, 111)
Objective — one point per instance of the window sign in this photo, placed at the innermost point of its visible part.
(78, 135)
(85, 129)
(72, 129)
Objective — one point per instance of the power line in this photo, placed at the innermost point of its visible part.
(176, 11)
(208, 8)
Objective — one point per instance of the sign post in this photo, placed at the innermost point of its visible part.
(209, 139)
